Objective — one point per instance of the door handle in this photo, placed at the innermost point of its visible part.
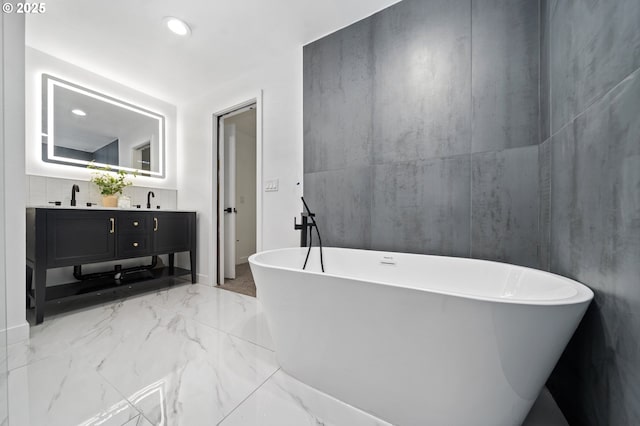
(230, 210)
(155, 224)
(113, 225)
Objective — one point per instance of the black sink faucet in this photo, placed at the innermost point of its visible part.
(74, 189)
(149, 195)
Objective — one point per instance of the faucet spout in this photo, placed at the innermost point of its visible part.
(149, 195)
(74, 189)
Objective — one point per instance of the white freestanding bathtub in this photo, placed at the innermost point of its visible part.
(416, 339)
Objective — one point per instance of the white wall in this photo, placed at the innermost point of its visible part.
(13, 76)
(3, 281)
(281, 84)
(37, 63)
(40, 190)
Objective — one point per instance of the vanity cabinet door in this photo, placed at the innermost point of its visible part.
(75, 237)
(172, 231)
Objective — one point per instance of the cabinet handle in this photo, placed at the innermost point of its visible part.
(113, 225)
(135, 244)
(155, 223)
(135, 223)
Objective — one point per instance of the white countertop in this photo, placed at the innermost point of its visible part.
(84, 207)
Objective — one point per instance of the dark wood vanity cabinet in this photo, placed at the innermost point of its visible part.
(74, 237)
(171, 232)
(134, 234)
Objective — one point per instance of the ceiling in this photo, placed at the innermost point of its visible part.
(125, 40)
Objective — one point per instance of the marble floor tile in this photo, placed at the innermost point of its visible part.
(182, 372)
(190, 355)
(233, 313)
(63, 390)
(284, 401)
(92, 334)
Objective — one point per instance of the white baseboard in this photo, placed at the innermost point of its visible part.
(203, 279)
(17, 333)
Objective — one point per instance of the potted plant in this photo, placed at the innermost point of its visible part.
(110, 183)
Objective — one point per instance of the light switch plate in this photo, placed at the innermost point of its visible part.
(271, 185)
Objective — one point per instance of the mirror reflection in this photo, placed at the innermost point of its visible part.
(80, 126)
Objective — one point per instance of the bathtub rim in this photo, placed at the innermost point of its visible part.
(583, 293)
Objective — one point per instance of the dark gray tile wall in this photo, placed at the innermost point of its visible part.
(594, 199)
(422, 80)
(422, 206)
(544, 176)
(506, 206)
(394, 92)
(504, 130)
(594, 46)
(343, 200)
(505, 81)
(545, 80)
(595, 239)
(339, 67)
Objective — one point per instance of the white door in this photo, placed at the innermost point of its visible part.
(228, 257)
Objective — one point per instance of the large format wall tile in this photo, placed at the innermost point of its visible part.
(544, 179)
(505, 63)
(594, 45)
(545, 78)
(422, 206)
(342, 201)
(422, 77)
(337, 99)
(505, 206)
(596, 240)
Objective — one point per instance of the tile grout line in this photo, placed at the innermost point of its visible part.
(593, 103)
(229, 334)
(247, 397)
(549, 158)
(211, 326)
(140, 413)
(199, 322)
(551, 136)
(540, 34)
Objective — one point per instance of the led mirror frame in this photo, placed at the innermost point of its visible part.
(50, 82)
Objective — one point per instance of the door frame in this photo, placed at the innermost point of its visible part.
(218, 181)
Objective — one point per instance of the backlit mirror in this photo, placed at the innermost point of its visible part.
(80, 126)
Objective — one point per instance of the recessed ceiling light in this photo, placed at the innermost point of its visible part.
(79, 112)
(176, 25)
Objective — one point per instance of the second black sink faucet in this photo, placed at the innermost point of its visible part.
(74, 189)
(149, 195)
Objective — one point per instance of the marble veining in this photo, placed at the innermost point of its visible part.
(285, 401)
(188, 355)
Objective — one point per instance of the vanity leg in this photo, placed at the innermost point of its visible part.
(171, 263)
(192, 258)
(39, 290)
(28, 286)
